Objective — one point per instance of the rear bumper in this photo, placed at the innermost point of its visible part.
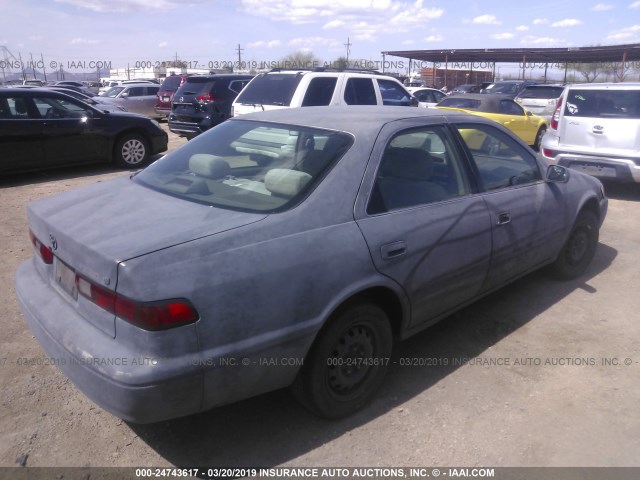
(129, 384)
(193, 126)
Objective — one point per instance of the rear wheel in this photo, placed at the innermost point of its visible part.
(578, 251)
(347, 363)
(538, 141)
(132, 151)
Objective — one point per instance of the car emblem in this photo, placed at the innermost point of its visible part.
(182, 99)
(54, 242)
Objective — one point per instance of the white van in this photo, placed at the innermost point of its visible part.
(304, 88)
(596, 129)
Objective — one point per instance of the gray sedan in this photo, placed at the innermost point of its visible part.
(291, 248)
(138, 98)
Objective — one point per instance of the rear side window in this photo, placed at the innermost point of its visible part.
(360, 91)
(320, 92)
(603, 103)
(508, 107)
(270, 89)
(393, 94)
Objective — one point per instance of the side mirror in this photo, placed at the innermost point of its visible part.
(529, 113)
(124, 95)
(557, 174)
(414, 102)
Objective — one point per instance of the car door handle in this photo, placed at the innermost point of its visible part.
(504, 218)
(393, 250)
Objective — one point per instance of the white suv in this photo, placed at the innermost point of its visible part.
(300, 88)
(596, 129)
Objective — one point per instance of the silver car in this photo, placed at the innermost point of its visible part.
(134, 97)
(596, 129)
(291, 248)
(540, 100)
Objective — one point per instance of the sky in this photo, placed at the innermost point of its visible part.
(207, 33)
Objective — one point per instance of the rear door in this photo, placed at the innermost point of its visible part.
(422, 223)
(605, 119)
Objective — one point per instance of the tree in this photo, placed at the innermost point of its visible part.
(300, 59)
(340, 63)
(590, 71)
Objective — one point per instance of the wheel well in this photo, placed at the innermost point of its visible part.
(119, 137)
(592, 206)
(384, 298)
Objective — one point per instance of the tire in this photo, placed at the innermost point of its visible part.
(132, 151)
(578, 251)
(538, 141)
(347, 363)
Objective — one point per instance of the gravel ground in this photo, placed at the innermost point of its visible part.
(546, 385)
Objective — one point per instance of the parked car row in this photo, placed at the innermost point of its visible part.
(43, 128)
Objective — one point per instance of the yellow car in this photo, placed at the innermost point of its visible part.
(528, 127)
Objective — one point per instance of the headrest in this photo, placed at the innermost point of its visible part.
(209, 166)
(409, 163)
(285, 182)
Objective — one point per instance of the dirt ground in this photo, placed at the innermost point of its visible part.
(542, 373)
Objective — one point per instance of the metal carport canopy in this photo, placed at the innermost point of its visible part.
(611, 53)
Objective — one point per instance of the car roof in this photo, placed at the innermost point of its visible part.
(353, 119)
(600, 86)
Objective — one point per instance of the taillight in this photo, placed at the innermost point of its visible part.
(45, 252)
(207, 97)
(548, 153)
(159, 315)
(556, 115)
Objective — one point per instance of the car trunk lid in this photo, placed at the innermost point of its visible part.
(92, 229)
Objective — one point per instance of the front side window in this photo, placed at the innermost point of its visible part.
(501, 161)
(59, 108)
(393, 94)
(113, 92)
(509, 107)
(418, 167)
(248, 165)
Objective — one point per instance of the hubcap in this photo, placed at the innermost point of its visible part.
(133, 151)
(577, 246)
(350, 360)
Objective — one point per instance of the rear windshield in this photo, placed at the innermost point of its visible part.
(197, 86)
(506, 87)
(542, 92)
(170, 83)
(466, 103)
(603, 103)
(248, 166)
(271, 89)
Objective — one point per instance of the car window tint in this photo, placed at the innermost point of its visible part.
(152, 90)
(136, 91)
(248, 165)
(360, 91)
(508, 107)
(271, 89)
(393, 94)
(236, 86)
(501, 161)
(541, 92)
(58, 108)
(424, 96)
(466, 103)
(320, 92)
(603, 103)
(14, 107)
(418, 167)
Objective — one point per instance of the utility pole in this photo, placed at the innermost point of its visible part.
(348, 45)
(239, 50)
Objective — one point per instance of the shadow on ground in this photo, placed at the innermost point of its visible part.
(273, 429)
